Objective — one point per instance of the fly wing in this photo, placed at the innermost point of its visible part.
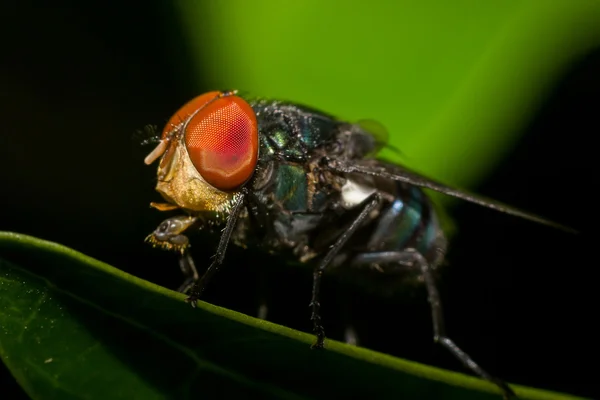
(379, 133)
(376, 130)
(402, 174)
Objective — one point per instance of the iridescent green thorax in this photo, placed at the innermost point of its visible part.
(291, 188)
(290, 131)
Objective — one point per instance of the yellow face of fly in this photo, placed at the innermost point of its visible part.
(180, 183)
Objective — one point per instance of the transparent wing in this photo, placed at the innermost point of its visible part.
(402, 174)
(379, 133)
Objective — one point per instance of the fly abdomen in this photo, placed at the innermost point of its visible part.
(409, 221)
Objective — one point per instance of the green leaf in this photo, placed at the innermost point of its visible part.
(74, 327)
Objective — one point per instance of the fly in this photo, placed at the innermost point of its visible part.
(290, 178)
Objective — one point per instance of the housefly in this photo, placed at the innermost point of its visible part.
(290, 178)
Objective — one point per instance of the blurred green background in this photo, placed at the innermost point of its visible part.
(497, 96)
(453, 82)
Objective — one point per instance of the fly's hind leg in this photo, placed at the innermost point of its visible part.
(169, 236)
(411, 259)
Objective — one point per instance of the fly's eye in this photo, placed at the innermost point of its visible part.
(180, 116)
(222, 141)
(188, 109)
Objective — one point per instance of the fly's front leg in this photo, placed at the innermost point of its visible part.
(369, 205)
(199, 286)
(413, 260)
(169, 236)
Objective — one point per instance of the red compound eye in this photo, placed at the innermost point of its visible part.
(222, 141)
(188, 109)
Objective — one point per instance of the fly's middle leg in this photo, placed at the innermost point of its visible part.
(263, 309)
(369, 205)
(190, 273)
(413, 260)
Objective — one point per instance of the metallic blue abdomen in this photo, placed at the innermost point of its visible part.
(408, 222)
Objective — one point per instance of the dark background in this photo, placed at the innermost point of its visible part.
(77, 83)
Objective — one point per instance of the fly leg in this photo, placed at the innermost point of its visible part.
(199, 286)
(411, 259)
(186, 263)
(345, 297)
(169, 236)
(350, 334)
(263, 284)
(369, 205)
